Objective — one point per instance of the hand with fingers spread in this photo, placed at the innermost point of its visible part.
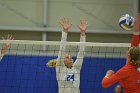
(6, 44)
(83, 26)
(65, 24)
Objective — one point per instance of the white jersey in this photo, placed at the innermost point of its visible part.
(69, 79)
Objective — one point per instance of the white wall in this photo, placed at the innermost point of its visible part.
(21, 12)
(102, 16)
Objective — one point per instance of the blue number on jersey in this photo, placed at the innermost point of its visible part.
(70, 77)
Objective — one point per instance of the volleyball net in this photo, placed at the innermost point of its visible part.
(23, 68)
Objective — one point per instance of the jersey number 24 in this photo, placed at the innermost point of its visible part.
(70, 77)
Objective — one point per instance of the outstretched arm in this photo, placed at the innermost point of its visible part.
(6, 45)
(112, 78)
(135, 36)
(83, 27)
(61, 54)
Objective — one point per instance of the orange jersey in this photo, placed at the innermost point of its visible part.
(128, 77)
(135, 40)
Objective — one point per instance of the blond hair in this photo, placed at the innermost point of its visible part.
(52, 63)
(134, 55)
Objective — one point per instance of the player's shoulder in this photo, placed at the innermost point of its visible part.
(127, 69)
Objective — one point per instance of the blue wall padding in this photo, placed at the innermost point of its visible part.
(29, 74)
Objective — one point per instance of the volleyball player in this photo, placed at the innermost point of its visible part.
(67, 71)
(128, 75)
(136, 34)
(5, 46)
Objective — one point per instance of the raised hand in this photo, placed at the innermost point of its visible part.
(65, 24)
(6, 44)
(83, 26)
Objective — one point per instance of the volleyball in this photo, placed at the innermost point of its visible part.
(126, 22)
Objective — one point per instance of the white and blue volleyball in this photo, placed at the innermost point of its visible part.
(126, 22)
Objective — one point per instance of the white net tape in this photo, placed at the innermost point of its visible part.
(27, 47)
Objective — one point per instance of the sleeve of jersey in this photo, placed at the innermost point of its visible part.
(1, 56)
(80, 55)
(135, 40)
(61, 52)
(108, 81)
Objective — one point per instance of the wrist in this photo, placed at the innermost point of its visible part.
(65, 30)
(83, 34)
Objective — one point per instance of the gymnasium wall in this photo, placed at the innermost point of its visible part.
(102, 17)
(100, 14)
(56, 36)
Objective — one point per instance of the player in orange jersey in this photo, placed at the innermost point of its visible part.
(128, 75)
